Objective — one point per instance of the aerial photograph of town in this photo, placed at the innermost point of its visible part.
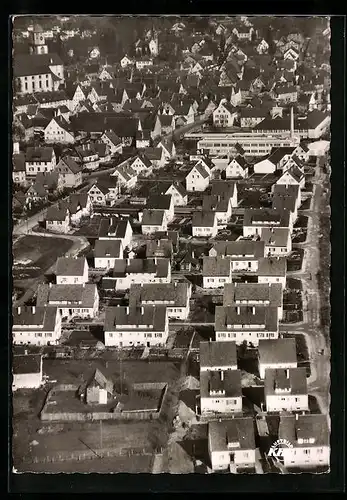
(171, 244)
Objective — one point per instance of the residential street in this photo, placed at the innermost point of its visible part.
(319, 381)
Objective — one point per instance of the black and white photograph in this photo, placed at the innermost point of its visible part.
(171, 244)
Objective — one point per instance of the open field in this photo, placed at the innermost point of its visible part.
(33, 255)
(126, 464)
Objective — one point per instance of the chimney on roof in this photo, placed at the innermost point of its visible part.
(142, 310)
(296, 416)
(253, 310)
(50, 285)
(287, 373)
(33, 309)
(238, 310)
(127, 310)
(18, 309)
(222, 375)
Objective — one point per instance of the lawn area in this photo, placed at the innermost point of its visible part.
(301, 350)
(203, 311)
(293, 284)
(77, 371)
(294, 260)
(34, 255)
(306, 204)
(301, 221)
(183, 337)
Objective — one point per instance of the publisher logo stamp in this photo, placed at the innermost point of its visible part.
(276, 449)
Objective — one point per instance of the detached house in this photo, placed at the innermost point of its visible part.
(142, 326)
(36, 325)
(141, 165)
(286, 389)
(113, 141)
(177, 191)
(272, 270)
(18, 169)
(310, 436)
(161, 202)
(221, 205)
(231, 444)
(204, 224)
(237, 168)
(217, 356)
(276, 354)
(71, 271)
(255, 220)
(224, 115)
(243, 33)
(216, 272)
(286, 94)
(243, 254)
(70, 172)
(246, 324)
(250, 117)
(277, 241)
(129, 271)
(153, 221)
(71, 300)
(220, 392)
(39, 159)
(59, 130)
(116, 229)
(198, 178)
(127, 177)
(106, 252)
(104, 192)
(27, 371)
(174, 296)
(292, 176)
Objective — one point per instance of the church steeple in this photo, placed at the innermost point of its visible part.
(38, 41)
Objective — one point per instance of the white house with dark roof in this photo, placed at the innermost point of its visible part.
(129, 271)
(220, 392)
(254, 294)
(246, 323)
(272, 270)
(58, 219)
(36, 325)
(161, 202)
(217, 356)
(59, 130)
(104, 191)
(243, 254)
(71, 300)
(38, 72)
(219, 204)
(224, 115)
(142, 326)
(278, 241)
(39, 159)
(309, 436)
(290, 190)
(225, 189)
(255, 220)
(18, 168)
(175, 296)
(106, 252)
(243, 32)
(198, 178)
(237, 168)
(26, 371)
(141, 165)
(231, 444)
(71, 271)
(285, 389)
(127, 176)
(276, 354)
(204, 224)
(113, 141)
(162, 246)
(292, 176)
(216, 272)
(70, 172)
(153, 221)
(177, 191)
(116, 229)
(250, 117)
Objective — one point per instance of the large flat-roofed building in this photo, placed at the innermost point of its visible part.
(253, 144)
